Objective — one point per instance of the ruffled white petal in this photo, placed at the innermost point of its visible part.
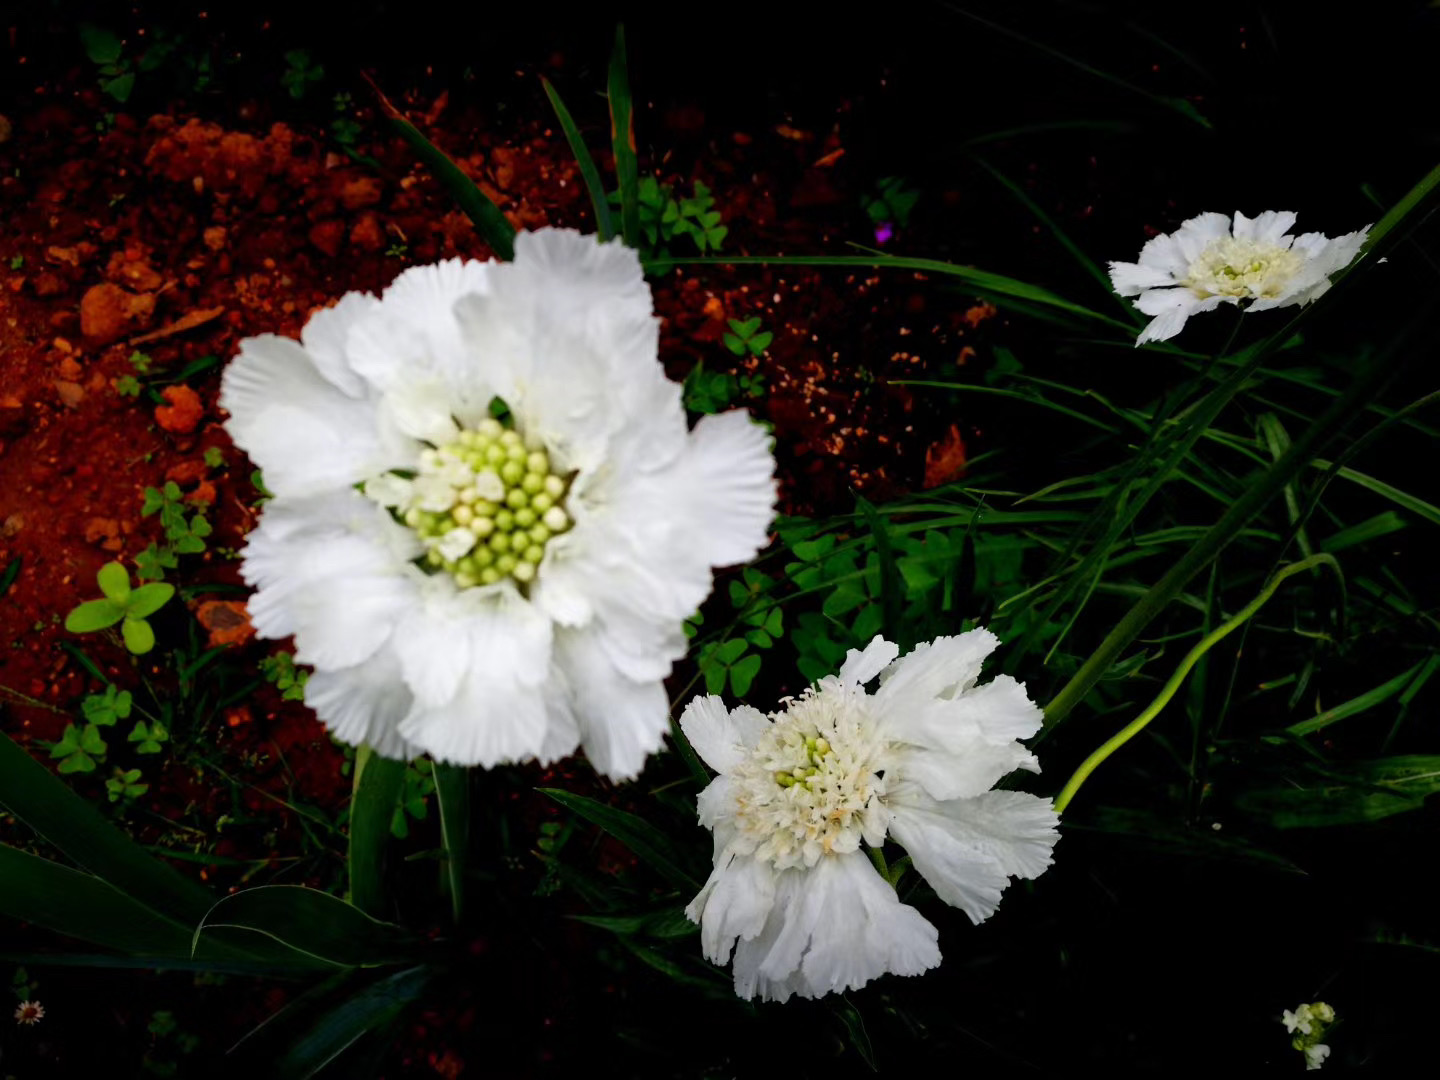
(968, 849)
(831, 929)
(734, 903)
(364, 704)
(307, 434)
(1171, 308)
(1195, 235)
(862, 665)
(622, 721)
(1268, 228)
(943, 667)
(1131, 278)
(326, 338)
(719, 735)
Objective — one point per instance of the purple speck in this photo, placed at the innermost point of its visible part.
(883, 233)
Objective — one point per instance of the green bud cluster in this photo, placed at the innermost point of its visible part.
(503, 515)
(816, 748)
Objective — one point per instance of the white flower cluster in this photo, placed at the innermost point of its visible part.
(1308, 1024)
(1211, 260)
(800, 791)
(504, 589)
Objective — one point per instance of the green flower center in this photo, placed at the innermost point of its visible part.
(1246, 269)
(484, 505)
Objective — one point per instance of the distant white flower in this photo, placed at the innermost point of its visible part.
(799, 791)
(1315, 1056)
(29, 1013)
(500, 591)
(1209, 261)
(1309, 1023)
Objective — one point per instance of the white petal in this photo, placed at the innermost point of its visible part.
(1171, 308)
(943, 667)
(622, 721)
(1195, 235)
(307, 435)
(1268, 228)
(724, 488)
(994, 714)
(718, 735)
(967, 849)
(326, 338)
(733, 903)
(420, 409)
(715, 805)
(863, 665)
(389, 490)
(456, 543)
(1131, 278)
(832, 928)
(947, 775)
(364, 704)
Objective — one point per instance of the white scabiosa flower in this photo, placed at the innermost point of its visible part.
(489, 591)
(801, 790)
(1308, 1023)
(1211, 260)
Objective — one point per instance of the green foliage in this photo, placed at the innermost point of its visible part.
(117, 74)
(107, 708)
(17, 261)
(214, 457)
(127, 386)
(121, 604)
(301, 73)
(280, 670)
(79, 749)
(663, 217)
(891, 203)
(344, 128)
(747, 337)
(125, 785)
(418, 786)
(184, 534)
(149, 738)
(707, 392)
(171, 1043)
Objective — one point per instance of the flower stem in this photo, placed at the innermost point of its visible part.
(1176, 680)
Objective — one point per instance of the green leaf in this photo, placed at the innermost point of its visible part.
(314, 924)
(489, 221)
(647, 842)
(667, 924)
(1368, 792)
(622, 138)
(730, 651)
(452, 793)
(372, 1009)
(101, 46)
(81, 905)
(94, 615)
(119, 87)
(846, 597)
(604, 226)
(743, 674)
(1368, 700)
(760, 342)
(378, 783)
(47, 805)
(114, 581)
(139, 637)
(148, 599)
(734, 344)
(11, 572)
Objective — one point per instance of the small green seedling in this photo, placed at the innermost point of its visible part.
(127, 386)
(79, 749)
(892, 202)
(148, 737)
(748, 337)
(17, 261)
(214, 458)
(280, 669)
(117, 79)
(107, 708)
(129, 607)
(301, 72)
(125, 785)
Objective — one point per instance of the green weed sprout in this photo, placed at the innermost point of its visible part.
(129, 607)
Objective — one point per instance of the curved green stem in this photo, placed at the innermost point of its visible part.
(1173, 684)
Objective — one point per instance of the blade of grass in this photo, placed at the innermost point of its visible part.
(452, 792)
(604, 226)
(378, 781)
(1368, 700)
(622, 138)
(491, 223)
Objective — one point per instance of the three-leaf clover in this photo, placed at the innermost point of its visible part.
(107, 708)
(149, 737)
(121, 604)
(124, 785)
(79, 747)
(746, 339)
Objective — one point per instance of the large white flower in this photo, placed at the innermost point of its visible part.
(1210, 261)
(483, 591)
(799, 791)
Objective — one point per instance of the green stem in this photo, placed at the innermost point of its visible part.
(1168, 691)
(1246, 507)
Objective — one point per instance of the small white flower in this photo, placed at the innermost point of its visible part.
(29, 1013)
(1211, 261)
(500, 591)
(1299, 1020)
(799, 791)
(1315, 1056)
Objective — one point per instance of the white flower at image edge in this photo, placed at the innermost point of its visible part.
(1211, 260)
(792, 893)
(478, 590)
